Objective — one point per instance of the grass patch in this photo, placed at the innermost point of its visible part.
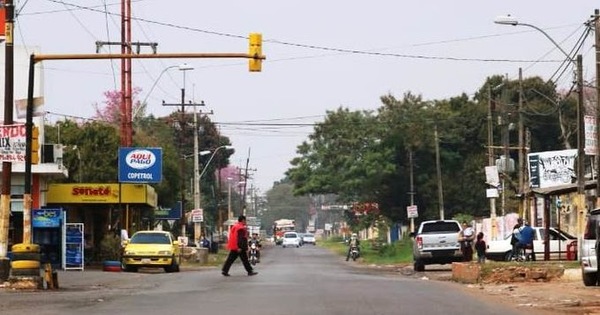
(373, 252)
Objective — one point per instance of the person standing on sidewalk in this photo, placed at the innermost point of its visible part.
(238, 246)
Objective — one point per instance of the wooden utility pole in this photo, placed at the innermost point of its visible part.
(412, 187)
(8, 120)
(597, 160)
(439, 173)
(580, 147)
(490, 134)
(523, 211)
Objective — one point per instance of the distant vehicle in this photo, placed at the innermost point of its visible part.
(589, 261)
(436, 242)
(309, 238)
(156, 249)
(559, 242)
(290, 239)
(280, 227)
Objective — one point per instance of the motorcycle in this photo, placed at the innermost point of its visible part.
(354, 253)
(253, 254)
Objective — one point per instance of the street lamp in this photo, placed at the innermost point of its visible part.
(182, 67)
(510, 20)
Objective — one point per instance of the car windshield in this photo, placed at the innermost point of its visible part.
(290, 236)
(308, 235)
(150, 238)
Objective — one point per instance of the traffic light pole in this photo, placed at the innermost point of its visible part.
(255, 58)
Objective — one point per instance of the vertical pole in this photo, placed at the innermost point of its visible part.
(439, 173)
(197, 225)
(490, 134)
(505, 155)
(229, 214)
(597, 37)
(8, 120)
(182, 158)
(28, 132)
(523, 209)
(412, 188)
(580, 149)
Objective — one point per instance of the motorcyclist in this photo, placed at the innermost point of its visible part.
(255, 240)
(353, 243)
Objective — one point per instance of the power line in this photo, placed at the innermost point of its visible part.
(309, 46)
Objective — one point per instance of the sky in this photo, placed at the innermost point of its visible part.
(321, 55)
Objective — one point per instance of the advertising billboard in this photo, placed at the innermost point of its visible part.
(140, 165)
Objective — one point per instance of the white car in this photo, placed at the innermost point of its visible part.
(291, 239)
(560, 243)
(309, 239)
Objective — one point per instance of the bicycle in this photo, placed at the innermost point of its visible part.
(524, 253)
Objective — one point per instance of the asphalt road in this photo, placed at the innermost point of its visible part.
(306, 280)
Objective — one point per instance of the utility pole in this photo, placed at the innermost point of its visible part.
(490, 135)
(412, 187)
(8, 120)
(182, 125)
(439, 173)
(580, 147)
(597, 37)
(522, 152)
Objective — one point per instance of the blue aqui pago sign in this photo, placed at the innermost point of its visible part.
(140, 165)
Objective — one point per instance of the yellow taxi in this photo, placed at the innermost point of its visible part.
(154, 249)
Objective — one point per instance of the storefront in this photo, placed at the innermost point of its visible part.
(104, 208)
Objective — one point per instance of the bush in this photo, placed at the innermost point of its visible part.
(110, 247)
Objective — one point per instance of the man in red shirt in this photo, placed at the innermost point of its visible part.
(238, 246)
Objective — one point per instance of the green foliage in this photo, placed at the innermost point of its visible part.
(371, 157)
(110, 247)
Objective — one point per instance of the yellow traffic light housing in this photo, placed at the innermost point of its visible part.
(255, 50)
(35, 145)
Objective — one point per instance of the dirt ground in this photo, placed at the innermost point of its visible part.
(564, 295)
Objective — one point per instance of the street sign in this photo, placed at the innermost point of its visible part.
(197, 215)
(412, 212)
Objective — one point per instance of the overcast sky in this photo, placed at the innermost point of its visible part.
(320, 55)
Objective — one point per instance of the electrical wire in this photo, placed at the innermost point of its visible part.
(309, 46)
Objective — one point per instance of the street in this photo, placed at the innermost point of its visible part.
(306, 280)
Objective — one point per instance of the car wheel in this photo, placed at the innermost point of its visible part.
(508, 256)
(419, 265)
(174, 267)
(589, 279)
(283, 246)
(128, 268)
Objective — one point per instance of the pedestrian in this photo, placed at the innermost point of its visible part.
(480, 248)
(237, 244)
(466, 237)
(514, 239)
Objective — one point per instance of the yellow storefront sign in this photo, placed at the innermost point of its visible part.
(101, 193)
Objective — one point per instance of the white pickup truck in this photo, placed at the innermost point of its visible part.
(436, 242)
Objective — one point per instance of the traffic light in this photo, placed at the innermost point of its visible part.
(255, 50)
(35, 145)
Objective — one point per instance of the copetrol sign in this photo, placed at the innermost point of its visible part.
(140, 165)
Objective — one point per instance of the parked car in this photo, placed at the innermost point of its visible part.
(156, 249)
(589, 261)
(309, 239)
(560, 242)
(436, 242)
(290, 239)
